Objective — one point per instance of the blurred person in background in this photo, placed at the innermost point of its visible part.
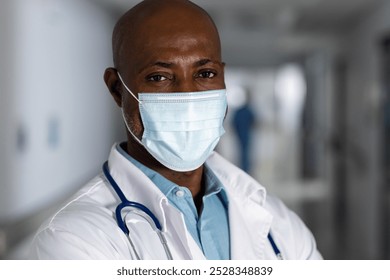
(243, 122)
(164, 193)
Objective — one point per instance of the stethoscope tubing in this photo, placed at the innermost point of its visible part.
(126, 203)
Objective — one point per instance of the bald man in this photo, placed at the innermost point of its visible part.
(164, 193)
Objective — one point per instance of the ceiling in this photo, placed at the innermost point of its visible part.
(271, 31)
(308, 14)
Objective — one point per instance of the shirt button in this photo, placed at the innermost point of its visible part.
(180, 193)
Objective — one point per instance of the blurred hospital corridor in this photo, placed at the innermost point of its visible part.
(308, 85)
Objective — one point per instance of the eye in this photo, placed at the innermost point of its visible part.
(156, 78)
(208, 74)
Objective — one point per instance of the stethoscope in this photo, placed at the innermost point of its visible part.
(145, 213)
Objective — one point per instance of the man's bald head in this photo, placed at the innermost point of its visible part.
(159, 16)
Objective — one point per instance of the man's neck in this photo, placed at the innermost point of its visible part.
(193, 180)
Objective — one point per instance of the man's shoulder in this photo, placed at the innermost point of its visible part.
(82, 226)
(92, 201)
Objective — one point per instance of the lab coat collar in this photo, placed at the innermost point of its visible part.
(239, 183)
(134, 184)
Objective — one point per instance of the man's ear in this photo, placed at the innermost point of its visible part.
(113, 84)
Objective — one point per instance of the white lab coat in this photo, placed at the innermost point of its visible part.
(85, 227)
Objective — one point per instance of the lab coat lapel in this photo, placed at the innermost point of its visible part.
(249, 221)
(178, 236)
(249, 225)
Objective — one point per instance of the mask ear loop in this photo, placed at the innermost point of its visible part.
(128, 128)
(123, 83)
(123, 112)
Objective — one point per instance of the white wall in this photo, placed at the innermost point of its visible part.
(53, 55)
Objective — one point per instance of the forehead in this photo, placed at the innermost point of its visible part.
(172, 47)
(169, 34)
(177, 44)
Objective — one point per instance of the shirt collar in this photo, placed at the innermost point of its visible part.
(212, 184)
(160, 181)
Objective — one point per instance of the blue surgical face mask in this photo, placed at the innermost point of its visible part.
(182, 129)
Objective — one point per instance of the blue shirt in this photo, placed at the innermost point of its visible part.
(210, 229)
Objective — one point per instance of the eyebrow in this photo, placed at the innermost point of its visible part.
(169, 65)
(163, 64)
(205, 61)
(157, 63)
(202, 62)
